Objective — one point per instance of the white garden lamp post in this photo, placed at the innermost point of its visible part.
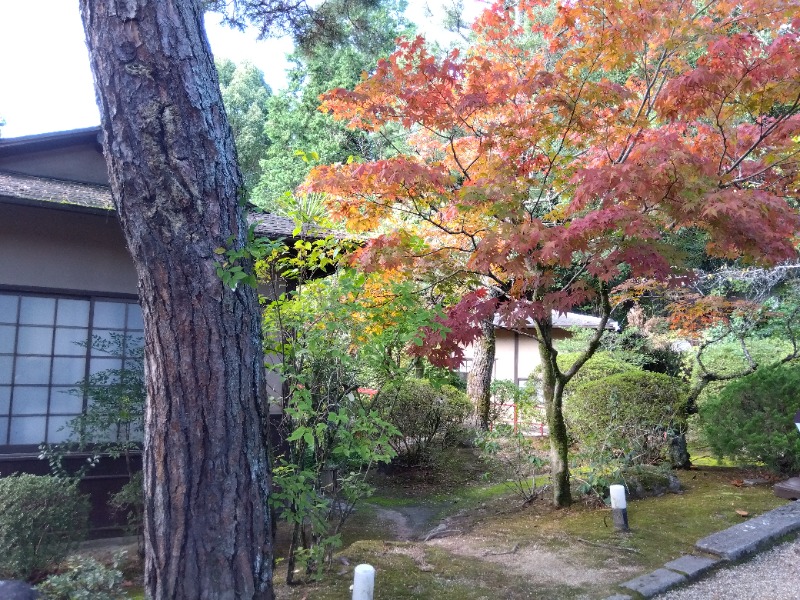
(364, 582)
(619, 507)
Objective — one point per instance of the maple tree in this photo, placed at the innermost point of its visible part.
(560, 155)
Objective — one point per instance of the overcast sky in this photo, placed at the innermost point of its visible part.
(45, 82)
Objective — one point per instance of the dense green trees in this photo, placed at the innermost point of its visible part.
(295, 124)
(246, 98)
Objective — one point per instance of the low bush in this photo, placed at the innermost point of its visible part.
(421, 412)
(631, 416)
(42, 518)
(129, 501)
(517, 457)
(85, 579)
(752, 419)
(593, 479)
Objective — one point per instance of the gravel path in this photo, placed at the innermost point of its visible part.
(772, 575)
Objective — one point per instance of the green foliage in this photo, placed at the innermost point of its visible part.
(246, 99)
(85, 579)
(130, 502)
(752, 419)
(726, 358)
(421, 412)
(517, 458)
(596, 472)
(42, 518)
(113, 421)
(295, 124)
(631, 415)
(329, 339)
(632, 346)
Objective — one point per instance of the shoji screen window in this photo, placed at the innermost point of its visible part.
(48, 344)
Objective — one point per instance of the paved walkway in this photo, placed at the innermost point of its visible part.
(773, 575)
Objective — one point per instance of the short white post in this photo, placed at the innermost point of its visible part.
(364, 582)
(619, 507)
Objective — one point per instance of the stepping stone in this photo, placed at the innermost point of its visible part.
(619, 597)
(690, 565)
(654, 583)
(747, 537)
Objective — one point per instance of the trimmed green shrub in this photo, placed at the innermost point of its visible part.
(421, 412)
(630, 415)
(42, 518)
(599, 366)
(752, 419)
(85, 579)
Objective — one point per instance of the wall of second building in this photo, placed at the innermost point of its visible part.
(516, 355)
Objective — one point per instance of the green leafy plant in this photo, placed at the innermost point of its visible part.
(752, 419)
(517, 457)
(601, 365)
(333, 345)
(42, 518)
(130, 502)
(113, 421)
(85, 579)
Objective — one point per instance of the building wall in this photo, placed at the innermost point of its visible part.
(60, 249)
(83, 163)
(516, 354)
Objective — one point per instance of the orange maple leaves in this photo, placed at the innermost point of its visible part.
(555, 155)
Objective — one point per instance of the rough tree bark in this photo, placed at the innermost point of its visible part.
(175, 182)
(479, 380)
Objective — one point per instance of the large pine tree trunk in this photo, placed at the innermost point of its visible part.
(479, 380)
(175, 182)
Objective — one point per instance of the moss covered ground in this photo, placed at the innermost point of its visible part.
(492, 546)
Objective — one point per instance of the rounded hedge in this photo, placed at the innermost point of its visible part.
(752, 419)
(42, 518)
(628, 415)
(599, 366)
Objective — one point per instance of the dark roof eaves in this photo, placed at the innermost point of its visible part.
(50, 140)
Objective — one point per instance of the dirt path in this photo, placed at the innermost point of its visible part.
(408, 522)
(536, 561)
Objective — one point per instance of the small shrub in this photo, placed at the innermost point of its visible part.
(85, 579)
(752, 419)
(595, 474)
(41, 520)
(129, 500)
(420, 412)
(517, 458)
(631, 415)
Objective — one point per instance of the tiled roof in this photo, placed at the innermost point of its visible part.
(98, 197)
(563, 320)
(39, 189)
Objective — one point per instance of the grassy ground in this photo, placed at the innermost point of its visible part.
(495, 548)
(491, 546)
